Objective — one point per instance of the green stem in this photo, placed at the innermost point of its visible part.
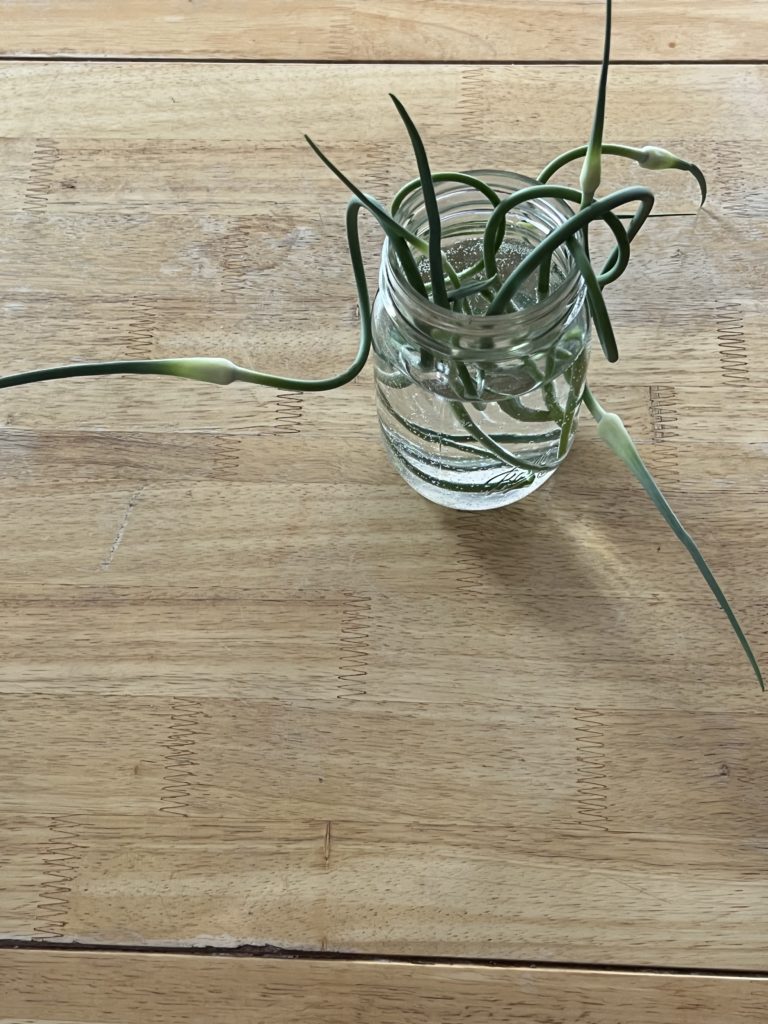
(562, 234)
(549, 390)
(399, 236)
(652, 158)
(611, 430)
(619, 258)
(545, 274)
(472, 289)
(597, 306)
(439, 294)
(454, 440)
(576, 380)
(506, 482)
(222, 371)
(479, 434)
(458, 178)
(591, 171)
(424, 434)
(514, 408)
(607, 148)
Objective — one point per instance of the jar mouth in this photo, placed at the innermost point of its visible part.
(473, 334)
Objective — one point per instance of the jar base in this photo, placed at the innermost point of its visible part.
(474, 492)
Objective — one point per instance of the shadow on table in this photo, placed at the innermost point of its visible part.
(586, 570)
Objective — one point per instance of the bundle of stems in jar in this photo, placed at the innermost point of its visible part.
(453, 289)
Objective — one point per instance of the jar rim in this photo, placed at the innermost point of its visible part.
(480, 326)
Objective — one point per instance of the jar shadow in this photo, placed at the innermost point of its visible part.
(557, 573)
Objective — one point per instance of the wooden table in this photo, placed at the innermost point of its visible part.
(280, 741)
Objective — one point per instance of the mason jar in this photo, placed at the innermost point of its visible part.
(479, 411)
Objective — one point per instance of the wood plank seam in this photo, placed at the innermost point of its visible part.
(591, 773)
(470, 546)
(355, 644)
(664, 418)
(181, 758)
(248, 952)
(166, 989)
(662, 408)
(289, 410)
(237, 259)
(470, 89)
(732, 342)
(61, 857)
(142, 332)
(59, 58)
(227, 456)
(40, 175)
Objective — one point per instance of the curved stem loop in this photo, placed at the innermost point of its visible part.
(562, 234)
(222, 371)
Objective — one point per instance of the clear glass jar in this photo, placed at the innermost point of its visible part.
(478, 411)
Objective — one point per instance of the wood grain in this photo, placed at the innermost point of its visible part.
(83, 988)
(254, 691)
(374, 30)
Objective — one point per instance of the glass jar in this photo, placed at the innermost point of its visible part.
(478, 411)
